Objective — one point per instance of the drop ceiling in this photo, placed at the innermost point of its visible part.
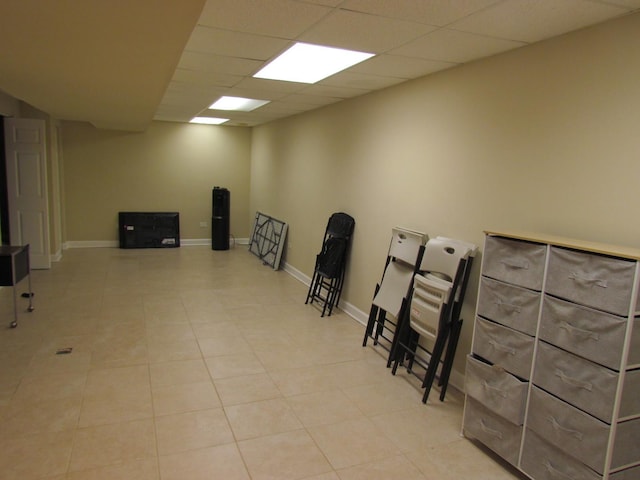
(120, 64)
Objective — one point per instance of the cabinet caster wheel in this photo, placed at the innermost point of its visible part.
(13, 325)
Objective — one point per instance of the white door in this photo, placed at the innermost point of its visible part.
(27, 187)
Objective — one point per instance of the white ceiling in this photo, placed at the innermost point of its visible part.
(120, 64)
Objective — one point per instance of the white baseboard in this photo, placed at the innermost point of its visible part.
(187, 242)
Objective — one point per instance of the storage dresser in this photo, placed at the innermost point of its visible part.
(553, 380)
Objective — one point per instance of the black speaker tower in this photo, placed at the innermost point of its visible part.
(220, 202)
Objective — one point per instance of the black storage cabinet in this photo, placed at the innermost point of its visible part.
(149, 229)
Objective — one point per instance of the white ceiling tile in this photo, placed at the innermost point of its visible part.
(235, 44)
(205, 78)
(251, 83)
(398, 66)
(346, 29)
(432, 12)
(283, 108)
(277, 18)
(302, 99)
(456, 47)
(333, 91)
(535, 20)
(361, 80)
(218, 63)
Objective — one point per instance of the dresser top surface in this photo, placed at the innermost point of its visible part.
(595, 247)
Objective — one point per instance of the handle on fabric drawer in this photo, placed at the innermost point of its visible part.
(587, 281)
(579, 331)
(490, 431)
(574, 382)
(508, 306)
(504, 348)
(515, 263)
(557, 426)
(555, 472)
(497, 390)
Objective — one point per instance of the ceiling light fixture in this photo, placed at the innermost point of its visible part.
(208, 120)
(306, 63)
(238, 104)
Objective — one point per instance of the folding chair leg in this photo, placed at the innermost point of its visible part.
(454, 336)
(429, 377)
(370, 323)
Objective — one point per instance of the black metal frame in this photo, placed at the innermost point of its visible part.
(326, 284)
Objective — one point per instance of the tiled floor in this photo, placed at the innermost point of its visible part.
(196, 364)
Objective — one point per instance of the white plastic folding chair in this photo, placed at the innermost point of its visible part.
(431, 323)
(405, 252)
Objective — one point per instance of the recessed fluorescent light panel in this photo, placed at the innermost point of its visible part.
(306, 63)
(208, 120)
(238, 104)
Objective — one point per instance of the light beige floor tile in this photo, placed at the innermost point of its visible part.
(188, 397)
(324, 476)
(178, 373)
(169, 332)
(226, 366)
(461, 459)
(291, 455)
(390, 468)
(266, 417)
(106, 445)
(50, 363)
(169, 351)
(322, 408)
(246, 388)
(168, 336)
(52, 415)
(115, 395)
(390, 394)
(420, 427)
(123, 353)
(192, 430)
(220, 462)
(353, 442)
(36, 456)
(36, 389)
(146, 469)
(213, 330)
(224, 345)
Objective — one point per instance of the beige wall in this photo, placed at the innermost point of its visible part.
(544, 138)
(169, 167)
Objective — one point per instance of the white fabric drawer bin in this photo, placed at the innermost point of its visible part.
(596, 281)
(543, 461)
(504, 347)
(515, 307)
(500, 435)
(590, 333)
(585, 384)
(580, 382)
(496, 389)
(514, 261)
(581, 435)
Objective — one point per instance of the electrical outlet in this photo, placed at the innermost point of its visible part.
(204, 224)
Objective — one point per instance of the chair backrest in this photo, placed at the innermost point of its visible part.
(404, 254)
(331, 259)
(430, 297)
(442, 257)
(405, 245)
(444, 273)
(340, 225)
